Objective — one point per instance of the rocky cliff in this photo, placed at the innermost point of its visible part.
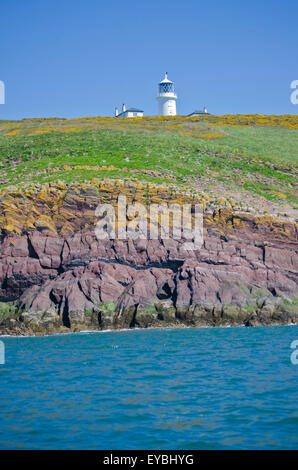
(58, 277)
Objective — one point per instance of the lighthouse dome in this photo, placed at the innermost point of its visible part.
(166, 85)
(166, 80)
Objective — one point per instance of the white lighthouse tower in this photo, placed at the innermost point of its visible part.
(166, 98)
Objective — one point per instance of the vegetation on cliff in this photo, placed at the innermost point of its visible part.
(244, 156)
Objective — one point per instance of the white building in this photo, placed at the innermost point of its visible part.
(129, 113)
(166, 98)
(197, 112)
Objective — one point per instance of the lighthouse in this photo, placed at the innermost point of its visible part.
(166, 98)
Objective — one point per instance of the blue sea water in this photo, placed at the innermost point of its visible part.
(191, 388)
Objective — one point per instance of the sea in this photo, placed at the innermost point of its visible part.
(167, 388)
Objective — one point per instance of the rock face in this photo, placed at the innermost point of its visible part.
(78, 282)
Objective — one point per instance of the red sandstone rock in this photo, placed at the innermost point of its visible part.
(72, 275)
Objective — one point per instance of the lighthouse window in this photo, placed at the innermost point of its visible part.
(166, 87)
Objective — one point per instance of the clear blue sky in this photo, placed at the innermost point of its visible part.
(74, 58)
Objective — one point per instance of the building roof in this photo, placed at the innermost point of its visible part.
(131, 110)
(134, 109)
(197, 111)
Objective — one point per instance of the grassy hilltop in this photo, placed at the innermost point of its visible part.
(247, 162)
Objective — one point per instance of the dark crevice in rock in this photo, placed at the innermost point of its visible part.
(32, 252)
(4, 284)
(133, 320)
(173, 265)
(65, 315)
(273, 291)
(84, 293)
(53, 298)
(264, 252)
(166, 292)
(214, 263)
(75, 263)
(60, 268)
(175, 294)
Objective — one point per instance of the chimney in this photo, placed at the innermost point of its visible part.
(116, 112)
(205, 109)
(123, 108)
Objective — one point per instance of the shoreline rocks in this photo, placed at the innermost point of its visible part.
(145, 285)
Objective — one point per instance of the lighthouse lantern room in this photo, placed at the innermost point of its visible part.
(166, 98)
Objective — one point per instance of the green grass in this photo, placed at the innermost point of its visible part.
(8, 310)
(276, 145)
(259, 159)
